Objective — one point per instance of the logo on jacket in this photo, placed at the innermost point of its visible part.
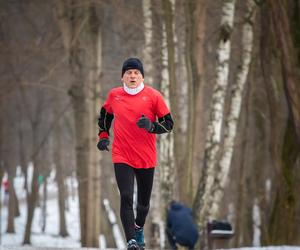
(118, 98)
(145, 98)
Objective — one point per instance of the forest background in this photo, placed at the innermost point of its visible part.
(230, 72)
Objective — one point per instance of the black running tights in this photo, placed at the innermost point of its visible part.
(125, 179)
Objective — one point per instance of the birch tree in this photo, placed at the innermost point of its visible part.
(223, 166)
(152, 55)
(166, 170)
(166, 153)
(213, 138)
(156, 42)
(147, 6)
(168, 16)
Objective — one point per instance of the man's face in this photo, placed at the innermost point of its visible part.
(132, 78)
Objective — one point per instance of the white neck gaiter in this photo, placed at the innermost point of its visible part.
(133, 91)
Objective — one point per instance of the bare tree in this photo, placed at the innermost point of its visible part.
(168, 7)
(148, 34)
(213, 137)
(282, 227)
(223, 166)
(80, 28)
(25, 44)
(195, 15)
(36, 103)
(58, 151)
(289, 66)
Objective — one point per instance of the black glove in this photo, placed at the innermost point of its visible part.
(144, 122)
(102, 144)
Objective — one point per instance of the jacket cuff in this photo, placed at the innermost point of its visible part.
(103, 134)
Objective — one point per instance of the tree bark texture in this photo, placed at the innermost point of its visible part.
(277, 113)
(195, 14)
(290, 65)
(213, 137)
(44, 206)
(148, 34)
(32, 195)
(155, 53)
(80, 27)
(11, 206)
(156, 43)
(241, 199)
(223, 166)
(168, 14)
(282, 227)
(60, 178)
(167, 168)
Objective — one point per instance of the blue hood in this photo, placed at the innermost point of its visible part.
(176, 206)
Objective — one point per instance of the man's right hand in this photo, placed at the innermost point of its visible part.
(102, 144)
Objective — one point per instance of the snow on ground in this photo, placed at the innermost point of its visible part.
(50, 238)
(270, 248)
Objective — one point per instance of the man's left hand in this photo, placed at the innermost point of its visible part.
(145, 123)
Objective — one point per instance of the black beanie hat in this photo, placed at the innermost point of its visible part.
(132, 63)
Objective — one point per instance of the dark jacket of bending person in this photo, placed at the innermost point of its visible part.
(181, 228)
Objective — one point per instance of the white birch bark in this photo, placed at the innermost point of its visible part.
(256, 218)
(155, 215)
(213, 138)
(170, 90)
(166, 140)
(148, 40)
(166, 151)
(224, 164)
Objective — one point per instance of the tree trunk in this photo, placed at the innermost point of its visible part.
(25, 187)
(80, 27)
(147, 6)
(156, 215)
(22, 153)
(166, 144)
(241, 176)
(290, 65)
(44, 206)
(167, 178)
(11, 206)
(168, 14)
(195, 14)
(157, 49)
(31, 202)
(213, 137)
(277, 113)
(61, 204)
(60, 178)
(190, 65)
(282, 224)
(284, 214)
(223, 166)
